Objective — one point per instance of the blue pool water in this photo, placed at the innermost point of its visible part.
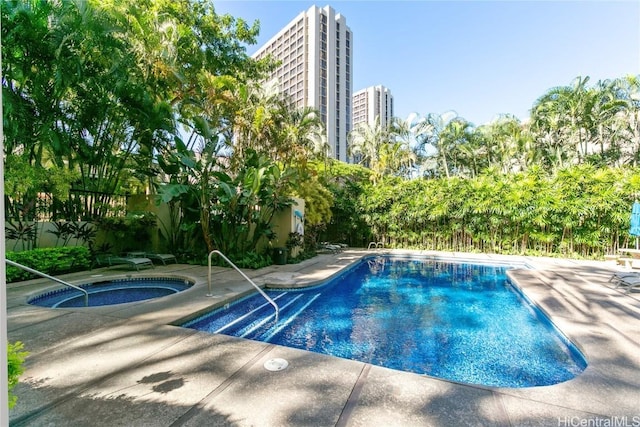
(112, 292)
(457, 321)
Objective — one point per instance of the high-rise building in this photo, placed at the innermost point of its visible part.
(315, 51)
(371, 103)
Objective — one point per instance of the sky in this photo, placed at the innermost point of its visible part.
(479, 59)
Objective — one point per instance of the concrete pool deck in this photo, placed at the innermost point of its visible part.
(127, 365)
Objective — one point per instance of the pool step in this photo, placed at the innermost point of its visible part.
(261, 323)
(241, 319)
(250, 330)
(286, 320)
(217, 321)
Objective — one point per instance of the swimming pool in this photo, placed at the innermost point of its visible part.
(458, 321)
(111, 292)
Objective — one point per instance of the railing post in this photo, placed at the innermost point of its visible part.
(46, 276)
(221, 255)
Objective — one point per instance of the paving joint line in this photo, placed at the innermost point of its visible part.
(354, 397)
(27, 418)
(195, 409)
(502, 410)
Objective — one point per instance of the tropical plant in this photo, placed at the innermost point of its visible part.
(234, 211)
(245, 204)
(294, 240)
(22, 232)
(257, 120)
(345, 182)
(94, 89)
(122, 233)
(366, 141)
(569, 125)
(432, 128)
(84, 233)
(580, 211)
(318, 214)
(62, 230)
(15, 360)
(385, 150)
(301, 135)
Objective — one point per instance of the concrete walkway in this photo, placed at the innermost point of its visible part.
(127, 365)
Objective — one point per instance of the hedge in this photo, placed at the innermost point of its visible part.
(51, 261)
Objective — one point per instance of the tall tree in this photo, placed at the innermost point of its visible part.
(432, 130)
(366, 141)
(455, 134)
(101, 84)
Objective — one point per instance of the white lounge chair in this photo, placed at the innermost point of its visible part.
(326, 246)
(624, 275)
(134, 262)
(628, 283)
(163, 258)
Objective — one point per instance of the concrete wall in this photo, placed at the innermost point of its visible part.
(290, 220)
(146, 203)
(44, 239)
(139, 203)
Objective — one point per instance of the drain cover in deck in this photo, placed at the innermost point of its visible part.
(275, 364)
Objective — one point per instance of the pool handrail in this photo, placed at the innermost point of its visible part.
(375, 245)
(221, 255)
(55, 279)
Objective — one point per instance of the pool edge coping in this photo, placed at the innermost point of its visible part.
(537, 398)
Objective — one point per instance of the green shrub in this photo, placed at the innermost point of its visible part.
(15, 359)
(252, 260)
(131, 232)
(48, 260)
(579, 211)
(302, 255)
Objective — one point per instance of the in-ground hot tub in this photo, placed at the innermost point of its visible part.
(111, 292)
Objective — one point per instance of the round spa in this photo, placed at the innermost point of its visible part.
(111, 292)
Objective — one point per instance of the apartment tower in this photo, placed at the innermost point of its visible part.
(371, 103)
(315, 53)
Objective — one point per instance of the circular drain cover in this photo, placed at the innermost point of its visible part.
(275, 364)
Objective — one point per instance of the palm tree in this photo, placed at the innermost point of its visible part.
(625, 124)
(257, 119)
(395, 158)
(505, 140)
(550, 130)
(473, 155)
(567, 112)
(366, 141)
(527, 154)
(605, 110)
(302, 129)
(456, 133)
(410, 132)
(431, 130)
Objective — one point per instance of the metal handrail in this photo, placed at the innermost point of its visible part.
(272, 302)
(374, 245)
(55, 279)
